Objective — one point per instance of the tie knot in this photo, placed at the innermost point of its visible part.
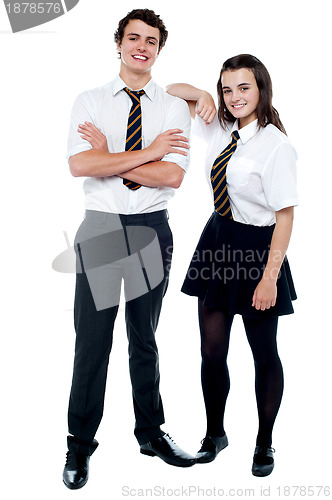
(235, 135)
(134, 94)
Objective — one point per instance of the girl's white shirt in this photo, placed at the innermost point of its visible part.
(261, 174)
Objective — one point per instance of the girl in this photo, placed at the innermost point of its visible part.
(240, 265)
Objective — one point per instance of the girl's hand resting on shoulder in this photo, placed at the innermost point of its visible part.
(94, 136)
(205, 107)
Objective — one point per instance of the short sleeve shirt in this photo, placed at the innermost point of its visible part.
(261, 174)
(108, 108)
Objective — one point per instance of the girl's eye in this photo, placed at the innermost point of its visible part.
(226, 92)
(244, 88)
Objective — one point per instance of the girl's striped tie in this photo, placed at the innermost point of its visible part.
(218, 178)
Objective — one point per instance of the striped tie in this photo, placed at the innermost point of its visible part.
(218, 178)
(134, 129)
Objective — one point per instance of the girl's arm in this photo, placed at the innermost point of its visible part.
(265, 294)
(199, 101)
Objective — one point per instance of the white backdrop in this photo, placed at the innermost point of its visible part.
(42, 71)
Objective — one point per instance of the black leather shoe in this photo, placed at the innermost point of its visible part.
(263, 461)
(76, 471)
(211, 446)
(165, 448)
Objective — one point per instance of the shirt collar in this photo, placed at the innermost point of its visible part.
(246, 132)
(149, 89)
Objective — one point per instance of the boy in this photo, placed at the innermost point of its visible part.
(127, 189)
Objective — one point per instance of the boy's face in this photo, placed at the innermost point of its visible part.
(139, 47)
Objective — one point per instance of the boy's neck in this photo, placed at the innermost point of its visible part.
(133, 80)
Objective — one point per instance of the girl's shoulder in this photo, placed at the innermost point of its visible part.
(209, 132)
(273, 139)
(276, 142)
(276, 135)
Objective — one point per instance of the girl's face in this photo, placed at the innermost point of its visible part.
(241, 94)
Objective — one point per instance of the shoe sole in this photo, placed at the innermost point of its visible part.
(169, 462)
(263, 470)
(74, 486)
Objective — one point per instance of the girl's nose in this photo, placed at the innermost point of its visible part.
(235, 96)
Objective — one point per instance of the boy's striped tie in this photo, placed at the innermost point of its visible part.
(134, 128)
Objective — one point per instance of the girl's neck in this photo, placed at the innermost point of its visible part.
(243, 122)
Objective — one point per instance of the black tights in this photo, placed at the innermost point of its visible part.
(215, 326)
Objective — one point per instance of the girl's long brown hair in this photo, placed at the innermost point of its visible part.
(266, 113)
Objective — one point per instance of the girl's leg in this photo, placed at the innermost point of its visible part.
(215, 326)
(269, 381)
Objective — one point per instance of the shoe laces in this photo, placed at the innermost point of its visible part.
(263, 448)
(262, 452)
(208, 444)
(67, 458)
(170, 437)
(206, 440)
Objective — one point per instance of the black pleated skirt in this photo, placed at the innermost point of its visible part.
(228, 264)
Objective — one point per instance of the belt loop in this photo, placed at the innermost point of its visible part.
(123, 220)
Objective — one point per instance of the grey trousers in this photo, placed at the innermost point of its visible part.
(110, 248)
